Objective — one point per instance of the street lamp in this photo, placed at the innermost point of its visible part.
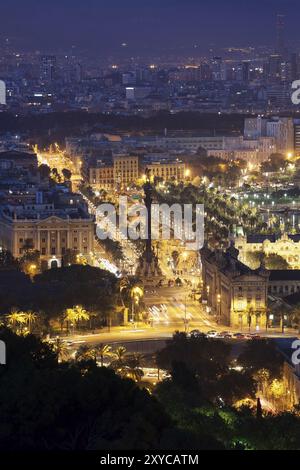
(219, 307)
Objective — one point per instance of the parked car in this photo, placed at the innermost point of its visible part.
(238, 336)
(255, 336)
(212, 334)
(224, 334)
(195, 333)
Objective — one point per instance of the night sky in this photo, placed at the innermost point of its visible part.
(146, 26)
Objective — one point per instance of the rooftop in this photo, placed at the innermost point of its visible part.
(14, 154)
(285, 275)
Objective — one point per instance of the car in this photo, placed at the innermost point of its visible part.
(212, 334)
(255, 336)
(223, 334)
(238, 336)
(195, 333)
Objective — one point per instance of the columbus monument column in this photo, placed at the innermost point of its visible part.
(148, 270)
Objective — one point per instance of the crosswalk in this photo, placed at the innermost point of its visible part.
(174, 312)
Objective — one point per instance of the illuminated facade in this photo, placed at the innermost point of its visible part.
(234, 291)
(102, 177)
(120, 172)
(168, 171)
(126, 169)
(52, 234)
(288, 247)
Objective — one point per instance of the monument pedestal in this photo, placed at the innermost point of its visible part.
(149, 271)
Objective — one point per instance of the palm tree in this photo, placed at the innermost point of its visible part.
(69, 317)
(123, 286)
(61, 349)
(102, 350)
(81, 314)
(75, 315)
(16, 318)
(119, 363)
(30, 318)
(133, 368)
(85, 353)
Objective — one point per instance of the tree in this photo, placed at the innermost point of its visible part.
(103, 350)
(30, 261)
(275, 162)
(236, 386)
(67, 174)
(131, 293)
(55, 175)
(69, 258)
(44, 171)
(30, 318)
(89, 408)
(133, 368)
(253, 259)
(16, 319)
(274, 261)
(7, 261)
(206, 359)
(85, 353)
(261, 354)
(76, 315)
(61, 350)
(118, 364)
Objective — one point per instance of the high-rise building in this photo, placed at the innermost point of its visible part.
(218, 69)
(48, 68)
(297, 136)
(294, 66)
(281, 129)
(255, 127)
(280, 40)
(245, 70)
(205, 71)
(274, 67)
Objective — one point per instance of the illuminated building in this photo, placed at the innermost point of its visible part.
(49, 231)
(233, 289)
(287, 246)
(101, 176)
(121, 171)
(297, 136)
(166, 169)
(48, 68)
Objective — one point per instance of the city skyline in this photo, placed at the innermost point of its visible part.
(149, 229)
(145, 29)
